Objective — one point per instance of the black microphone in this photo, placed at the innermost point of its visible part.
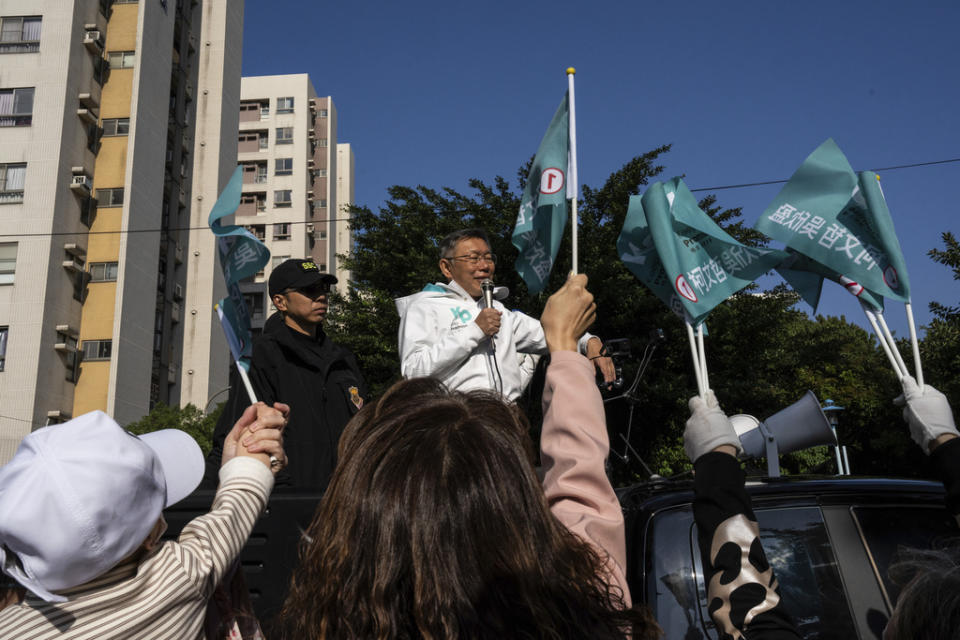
(487, 287)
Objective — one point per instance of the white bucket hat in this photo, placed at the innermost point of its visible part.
(79, 497)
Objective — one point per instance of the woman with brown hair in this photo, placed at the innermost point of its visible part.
(435, 524)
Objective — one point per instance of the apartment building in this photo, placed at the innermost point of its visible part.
(98, 159)
(292, 178)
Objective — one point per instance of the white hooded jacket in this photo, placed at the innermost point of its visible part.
(439, 337)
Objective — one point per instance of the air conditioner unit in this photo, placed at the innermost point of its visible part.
(72, 264)
(81, 183)
(309, 227)
(178, 253)
(175, 312)
(177, 292)
(74, 249)
(89, 100)
(87, 116)
(91, 40)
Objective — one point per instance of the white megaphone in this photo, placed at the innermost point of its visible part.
(799, 426)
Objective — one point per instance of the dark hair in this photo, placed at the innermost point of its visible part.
(435, 525)
(450, 241)
(928, 607)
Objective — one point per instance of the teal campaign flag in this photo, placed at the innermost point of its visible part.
(241, 256)
(839, 220)
(685, 258)
(543, 207)
(806, 277)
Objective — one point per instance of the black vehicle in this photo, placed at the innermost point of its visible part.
(829, 540)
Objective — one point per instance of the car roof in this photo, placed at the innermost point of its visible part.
(793, 490)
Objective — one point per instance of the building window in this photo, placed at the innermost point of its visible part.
(254, 304)
(322, 142)
(285, 105)
(103, 271)
(282, 198)
(122, 59)
(116, 126)
(8, 262)
(16, 107)
(110, 197)
(323, 234)
(97, 349)
(281, 231)
(278, 260)
(284, 135)
(283, 167)
(3, 346)
(20, 34)
(323, 267)
(258, 230)
(11, 182)
(323, 203)
(323, 113)
(321, 173)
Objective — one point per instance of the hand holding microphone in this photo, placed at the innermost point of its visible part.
(489, 318)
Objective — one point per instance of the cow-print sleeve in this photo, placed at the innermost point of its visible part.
(946, 464)
(743, 594)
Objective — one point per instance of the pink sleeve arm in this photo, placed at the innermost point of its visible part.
(573, 448)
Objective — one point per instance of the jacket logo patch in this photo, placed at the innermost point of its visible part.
(355, 397)
(463, 315)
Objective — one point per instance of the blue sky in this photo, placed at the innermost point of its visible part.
(435, 93)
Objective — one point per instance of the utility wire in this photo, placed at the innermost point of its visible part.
(204, 227)
(766, 182)
(158, 230)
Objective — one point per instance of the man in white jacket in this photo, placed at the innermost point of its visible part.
(447, 331)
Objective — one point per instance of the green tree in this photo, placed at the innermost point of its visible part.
(189, 419)
(763, 352)
(940, 349)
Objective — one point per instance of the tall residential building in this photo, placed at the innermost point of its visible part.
(98, 104)
(292, 178)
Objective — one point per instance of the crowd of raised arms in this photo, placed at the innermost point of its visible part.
(435, 521)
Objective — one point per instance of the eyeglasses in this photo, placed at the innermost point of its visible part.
(475, 258)
(313, 292)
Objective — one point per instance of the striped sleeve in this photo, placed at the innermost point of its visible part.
(211, 542)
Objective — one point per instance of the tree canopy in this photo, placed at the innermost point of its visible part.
(763, 351)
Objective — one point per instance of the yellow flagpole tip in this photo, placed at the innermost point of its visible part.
(571, 71)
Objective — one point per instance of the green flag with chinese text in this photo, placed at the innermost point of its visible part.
(701, 263)
(840, 220)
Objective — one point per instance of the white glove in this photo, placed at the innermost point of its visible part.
(927, 412)
(708, 428)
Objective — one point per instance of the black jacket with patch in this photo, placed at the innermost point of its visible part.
(321, 382)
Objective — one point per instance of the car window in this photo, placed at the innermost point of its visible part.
(889, 528)
(796, 544)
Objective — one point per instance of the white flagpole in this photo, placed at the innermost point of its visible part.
(913, 342)
(883, 342)
(246, 382)
(697, 370)
(703, 357)
(572, 167)
(891, 341)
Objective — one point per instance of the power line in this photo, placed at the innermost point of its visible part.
(766, 182)
(158, 230)
(205, 227)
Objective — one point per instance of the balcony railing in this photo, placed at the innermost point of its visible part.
(11, 197)
(29, 46)
(15, 121)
